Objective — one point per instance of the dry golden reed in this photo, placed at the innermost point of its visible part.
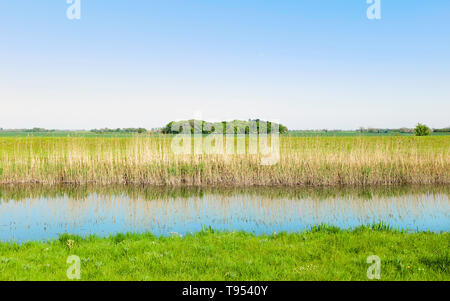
(312, 161)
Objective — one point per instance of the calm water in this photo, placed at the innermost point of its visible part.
(39, 213)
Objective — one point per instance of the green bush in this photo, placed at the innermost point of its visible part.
(206, 128)
(422, 130)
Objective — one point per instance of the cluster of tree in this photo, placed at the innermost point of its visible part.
(419, 130)
(374, 130)
(33, 130)
(118, 130)
(403, 130)
(315, 131)
(445, 130)
(422, 130)
(235, 126)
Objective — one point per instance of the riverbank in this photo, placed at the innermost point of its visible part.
(324, 253)
(316, 161)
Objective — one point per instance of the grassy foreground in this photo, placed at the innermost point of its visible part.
(313, 161)
(323, 253)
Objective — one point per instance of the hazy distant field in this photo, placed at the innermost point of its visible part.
(67, 134)
(313, 161)
(291, 133)
(354, 134)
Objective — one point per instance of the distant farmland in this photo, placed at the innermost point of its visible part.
(294, 133)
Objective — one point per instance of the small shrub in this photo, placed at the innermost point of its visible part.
(422, 130)
(324, 228)
(118, 238)
(63, 238)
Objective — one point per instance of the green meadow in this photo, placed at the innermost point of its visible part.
(322, 253)
(83, 133)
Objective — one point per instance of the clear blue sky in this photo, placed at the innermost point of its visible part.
(307, 63)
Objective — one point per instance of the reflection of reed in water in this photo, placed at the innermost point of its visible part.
(76, 192)
(162, 210)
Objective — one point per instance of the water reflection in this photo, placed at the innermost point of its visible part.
(39, 213)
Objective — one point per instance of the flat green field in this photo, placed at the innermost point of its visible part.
(68, 134)
(355, 134)
(62, 133)
(322, 253)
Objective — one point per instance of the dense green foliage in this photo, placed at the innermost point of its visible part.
(446, 130)
(422, 130)
(323, 253)
(235, 126)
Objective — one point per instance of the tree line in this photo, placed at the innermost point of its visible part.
(235, 126)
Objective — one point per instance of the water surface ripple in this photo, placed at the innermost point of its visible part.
(41, 213)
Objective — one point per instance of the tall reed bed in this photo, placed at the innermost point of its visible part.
(313, 161)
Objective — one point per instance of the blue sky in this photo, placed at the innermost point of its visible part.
(310, 64)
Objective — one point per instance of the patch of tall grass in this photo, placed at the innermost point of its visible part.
(304, 161)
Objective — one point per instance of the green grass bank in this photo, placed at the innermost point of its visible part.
(323, 253)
